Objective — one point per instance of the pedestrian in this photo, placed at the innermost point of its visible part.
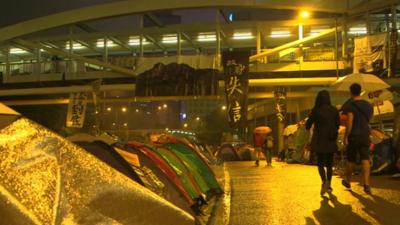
(258, 140)
(268, 146)
(325, 118)
(356, 138)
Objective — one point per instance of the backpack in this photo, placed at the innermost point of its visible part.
(269, 142)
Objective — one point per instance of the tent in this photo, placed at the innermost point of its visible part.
(174, 172)
(201, 148)
(227, 153)
(47, 180)
(197, 166)
(105, 153)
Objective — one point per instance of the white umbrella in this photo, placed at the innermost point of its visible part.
(377, 96)
(383, 108)
(368, 82)
(291, 129)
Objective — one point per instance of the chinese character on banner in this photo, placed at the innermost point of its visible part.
(369, 53)
(76, 110)
(236, 67)
(280, 103)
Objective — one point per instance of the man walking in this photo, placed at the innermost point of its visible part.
(258, 140)
(356, 138)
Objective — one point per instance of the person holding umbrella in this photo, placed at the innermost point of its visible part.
(325, 118)
(259, 135)
(359, 113)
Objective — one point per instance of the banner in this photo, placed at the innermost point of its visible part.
(236, 68)
(76, 110)
(280, 103)
(369, 53)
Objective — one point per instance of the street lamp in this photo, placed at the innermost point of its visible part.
(197, 118)
(223, 107)
(305, 14)
(109, 109)
(123, 109)
(185, 125)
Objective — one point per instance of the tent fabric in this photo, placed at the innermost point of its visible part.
(107, 154)
(5, 110)
(196, 164)
(83, 137)
(383, 157)
(7, 116)
(174, 172)
(48, 180)
(227, 153)
(181, 168)
(170, 191)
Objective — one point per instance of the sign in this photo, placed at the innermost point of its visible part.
(236, 68)
(319, 54)
(369, 53)
(280, 103)
(76, 110)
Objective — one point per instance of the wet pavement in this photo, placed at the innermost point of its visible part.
(286, 194)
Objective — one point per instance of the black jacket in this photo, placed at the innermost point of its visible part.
(326, 124)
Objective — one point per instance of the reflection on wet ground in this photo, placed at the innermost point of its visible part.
(289, 194)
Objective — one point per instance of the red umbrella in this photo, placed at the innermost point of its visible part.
(262, 130)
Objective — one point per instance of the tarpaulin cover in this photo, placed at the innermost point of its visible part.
(47, 180)
(149, 172)
(176, 171)
(194, 163)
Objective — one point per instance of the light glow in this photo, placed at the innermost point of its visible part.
(305, 14)
(169, 39)
(100, 43)
(207, 37)
(75, 46)
(17, 51)
(243, 35)
(358, 30)
(135, 41)
(280, 33)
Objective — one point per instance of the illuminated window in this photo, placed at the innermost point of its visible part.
(135, 41)
(280, 33)
(243, 35)
(169, 39)
(17, 51)
(207, 36)
(74, 46)
(100, 43)
(358, 30)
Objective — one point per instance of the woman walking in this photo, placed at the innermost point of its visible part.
(325, 118)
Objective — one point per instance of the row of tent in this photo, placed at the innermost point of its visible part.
(46, 179)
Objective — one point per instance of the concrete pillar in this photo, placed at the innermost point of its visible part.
(37, 67)
(393, 48)
(71, 42)
(258, 41)
(336, 49)
(344, 38)
(8, 69)
(179, 49)
(105, 49)
(301, 36)
(281, 126)
(368, 20)
(218, 34)
(141, 47)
